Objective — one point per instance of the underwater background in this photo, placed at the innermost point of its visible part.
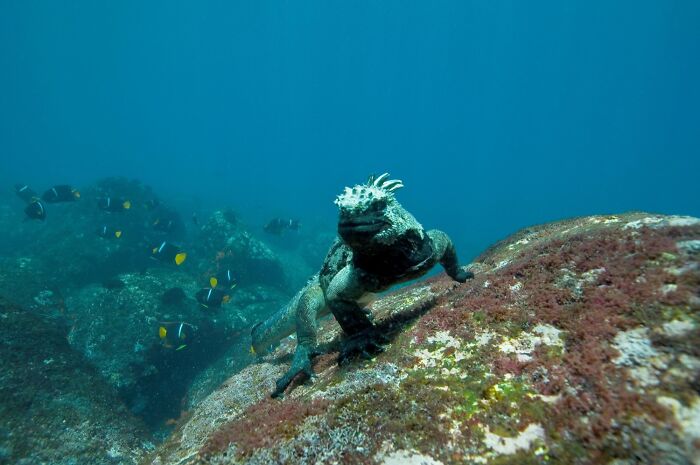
(495, 114)
(215, 120)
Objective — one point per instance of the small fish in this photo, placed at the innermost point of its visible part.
(277, 225)
(110, 204)
(35, 210)
(225, 278)
(167, 252)
(109, 233)
(61, 193)
(174, 334)
(25, 193)
(209, 297)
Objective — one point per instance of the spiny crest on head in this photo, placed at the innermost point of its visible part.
(382, 182)
(376, 188)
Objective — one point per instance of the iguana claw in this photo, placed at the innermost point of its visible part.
(301, 363)
(365, 344)
(463, 275)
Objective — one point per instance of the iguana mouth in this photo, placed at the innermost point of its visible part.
(360, 227)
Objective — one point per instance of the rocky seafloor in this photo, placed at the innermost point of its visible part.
(84, 376)
(577, 342)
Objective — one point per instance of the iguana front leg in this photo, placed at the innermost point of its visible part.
(446, 255)
(343, 297)
(309, 305)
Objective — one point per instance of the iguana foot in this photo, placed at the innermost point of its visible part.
(301, 363)
(463, 275)
(365, 344)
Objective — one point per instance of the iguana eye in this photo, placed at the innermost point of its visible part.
(378, 205)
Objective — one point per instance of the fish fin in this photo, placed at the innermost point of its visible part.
(213, 282)
(162, 332)
(179, 258)
(126, 205)
(117, 234)
(155, 250)
(252, 350)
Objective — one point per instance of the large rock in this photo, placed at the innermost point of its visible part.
(30, 283)
(117, 329)
(54, 408)
(225, 243)
(248, 305)
(68, 247)
(577, 342)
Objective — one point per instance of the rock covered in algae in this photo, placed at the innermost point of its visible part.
(116, 328)
(66, 251)
(55, 408)
(577, 342)
(225, 243)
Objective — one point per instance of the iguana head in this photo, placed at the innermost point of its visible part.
(369, 213)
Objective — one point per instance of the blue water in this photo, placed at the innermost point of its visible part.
(496, 115)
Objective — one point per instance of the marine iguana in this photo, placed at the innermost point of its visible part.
(380, 244)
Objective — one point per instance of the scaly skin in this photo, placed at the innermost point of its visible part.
(380, 245)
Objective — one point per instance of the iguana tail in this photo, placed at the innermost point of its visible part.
(281, 324)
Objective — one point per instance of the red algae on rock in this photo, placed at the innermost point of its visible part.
(575, 343)
(279, 422)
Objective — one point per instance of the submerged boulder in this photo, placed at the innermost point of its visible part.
(225, 243)
(576, 342)
(30, 283)
(69, 246)
(55, 408)
(118, 327)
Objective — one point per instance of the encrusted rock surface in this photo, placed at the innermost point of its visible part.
(117, 330)
(54, 408)
(577, 342)
(66, 249)
(224, 243)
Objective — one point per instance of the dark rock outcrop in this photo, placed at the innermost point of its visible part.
(66, 251)
(118, 331)
(225, 243)
(54, 408)
(577, 342)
